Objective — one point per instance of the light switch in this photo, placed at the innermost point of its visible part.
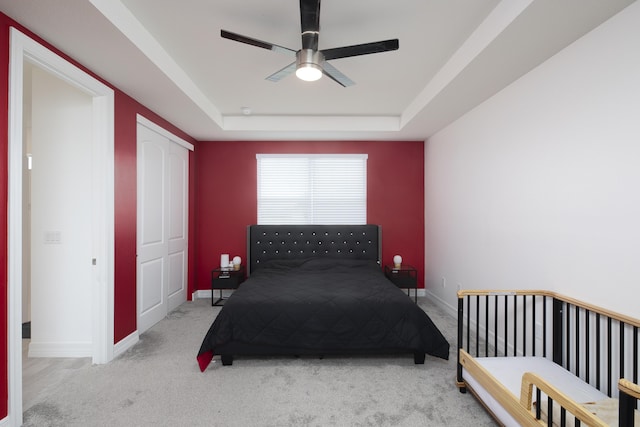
(52, 238)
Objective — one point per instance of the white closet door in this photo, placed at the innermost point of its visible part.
(177, 221)
(162, 226)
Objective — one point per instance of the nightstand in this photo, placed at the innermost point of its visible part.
(225, 278)
(404, 277)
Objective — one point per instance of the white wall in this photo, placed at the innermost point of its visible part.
(539, 187)
(61, 231)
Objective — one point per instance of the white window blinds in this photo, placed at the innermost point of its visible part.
(312, 189)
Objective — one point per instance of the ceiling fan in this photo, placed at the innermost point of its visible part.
(311, 63)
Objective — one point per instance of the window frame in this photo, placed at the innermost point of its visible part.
(305, 208)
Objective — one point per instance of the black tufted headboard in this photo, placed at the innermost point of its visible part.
(269, 242)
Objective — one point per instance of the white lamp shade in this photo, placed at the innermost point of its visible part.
(397, 260)
(224, 260)
(237, 260)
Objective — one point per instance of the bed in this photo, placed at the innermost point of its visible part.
(318, 290)
(539, 358)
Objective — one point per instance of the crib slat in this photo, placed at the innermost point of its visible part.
(635, 354)
(533, 320)
(515, 325)
(587, 353)
(598, 351)
(544, 326)
(557, 331)
(567, 335)
(506, 322)
(621, 327)
(477, 325)
(524, 325)
(486, 326)
(495, 322)
(577, 332)
(609, 361)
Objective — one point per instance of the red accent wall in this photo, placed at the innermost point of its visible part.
(226, 199)
(126, 109)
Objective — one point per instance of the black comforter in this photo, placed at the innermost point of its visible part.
(320, 306)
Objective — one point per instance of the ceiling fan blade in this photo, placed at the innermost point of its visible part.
(255, 42)
(361, 49)
(310, 23)
(280, 74)
(335, 75)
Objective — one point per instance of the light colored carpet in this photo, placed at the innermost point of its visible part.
(157, 382)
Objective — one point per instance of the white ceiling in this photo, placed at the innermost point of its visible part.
(169, 56)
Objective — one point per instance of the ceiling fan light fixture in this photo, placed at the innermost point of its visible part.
(309, 72)
(307, 67)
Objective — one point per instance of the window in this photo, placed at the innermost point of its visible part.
(312, 189)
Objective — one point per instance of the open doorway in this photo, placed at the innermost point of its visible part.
(98, 204)
(56, 291)
(57, 189)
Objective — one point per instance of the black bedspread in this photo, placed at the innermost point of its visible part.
(321, 306)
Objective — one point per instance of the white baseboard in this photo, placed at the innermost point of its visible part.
(421, 292)
(452, 311)
(125, 344)
(206, 293)
(201, 293)
(64, 349)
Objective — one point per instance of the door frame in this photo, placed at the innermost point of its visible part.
(23, 48)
